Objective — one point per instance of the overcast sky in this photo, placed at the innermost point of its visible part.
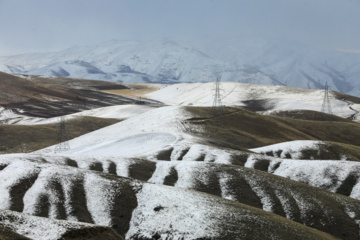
(50, 25)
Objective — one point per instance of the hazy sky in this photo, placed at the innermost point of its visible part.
(49, 25)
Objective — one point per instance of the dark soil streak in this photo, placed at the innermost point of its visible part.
(2, 167)
(295, 213)
(96, 166)
(71, 162)
(274, 167)
(239, 159)
(200, 158)
(44, 209)
(242, 191)
(210, 185)
(124, 204)
(18, 191)
(348, 184)
(171, 178)
(91, 233)
(142, 170)
(58, 191)
(165, 154)
(78, 201)
(262, 165)
(183, 153)
(112, 168)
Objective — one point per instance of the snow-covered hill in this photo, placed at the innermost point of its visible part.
(268, 99)
(41, 228)
(165, 61)
(141, 210)
(161, 147)
(290, 171)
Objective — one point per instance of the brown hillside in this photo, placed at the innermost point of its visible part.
(241, 129)
(28, 138)
(49, 97)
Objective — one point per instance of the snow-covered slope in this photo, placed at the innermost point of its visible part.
(115, 176)
(259, 62)
(139, 210)
(271, 98)
(165, 134)
(295, 64)
(116, 112)
(148, 131)
(41, 228)
(159, 61)
(339, 176)
(292, 148)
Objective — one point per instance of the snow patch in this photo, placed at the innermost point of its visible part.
(291, 148)
(129, 146)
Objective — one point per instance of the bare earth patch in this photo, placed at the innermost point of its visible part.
(136, 89)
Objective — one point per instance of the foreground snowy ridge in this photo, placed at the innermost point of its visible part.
(41, 228)
(130, 206)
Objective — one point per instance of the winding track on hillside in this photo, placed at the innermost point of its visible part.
(353, 116)
(350, 104)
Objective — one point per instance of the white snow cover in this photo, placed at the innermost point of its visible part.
(160, 208)
(148, 131)
(9, 117)
(129, 146)
(117, 112)
(185, 172)
(145, 132)
(253, 61)
(191, 151)
(278, 98)
(293, 148)
(3, 68)
(11, 176)
(321, 173)
(38, 228)
(173, 212)
(159, 61)
(69, 181)
(178, 208)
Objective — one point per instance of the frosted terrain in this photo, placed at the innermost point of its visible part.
(276, 98)
(116, 176)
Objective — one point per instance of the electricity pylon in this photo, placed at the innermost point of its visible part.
(217, 103)
(326, 107)
(63, 144)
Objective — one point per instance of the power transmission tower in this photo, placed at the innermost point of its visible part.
(326, 107)
(217, 103)
(63, 144)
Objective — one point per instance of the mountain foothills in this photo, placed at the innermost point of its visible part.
(153, 161)
(166, 61)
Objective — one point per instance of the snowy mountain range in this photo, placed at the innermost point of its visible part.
(166, 61)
